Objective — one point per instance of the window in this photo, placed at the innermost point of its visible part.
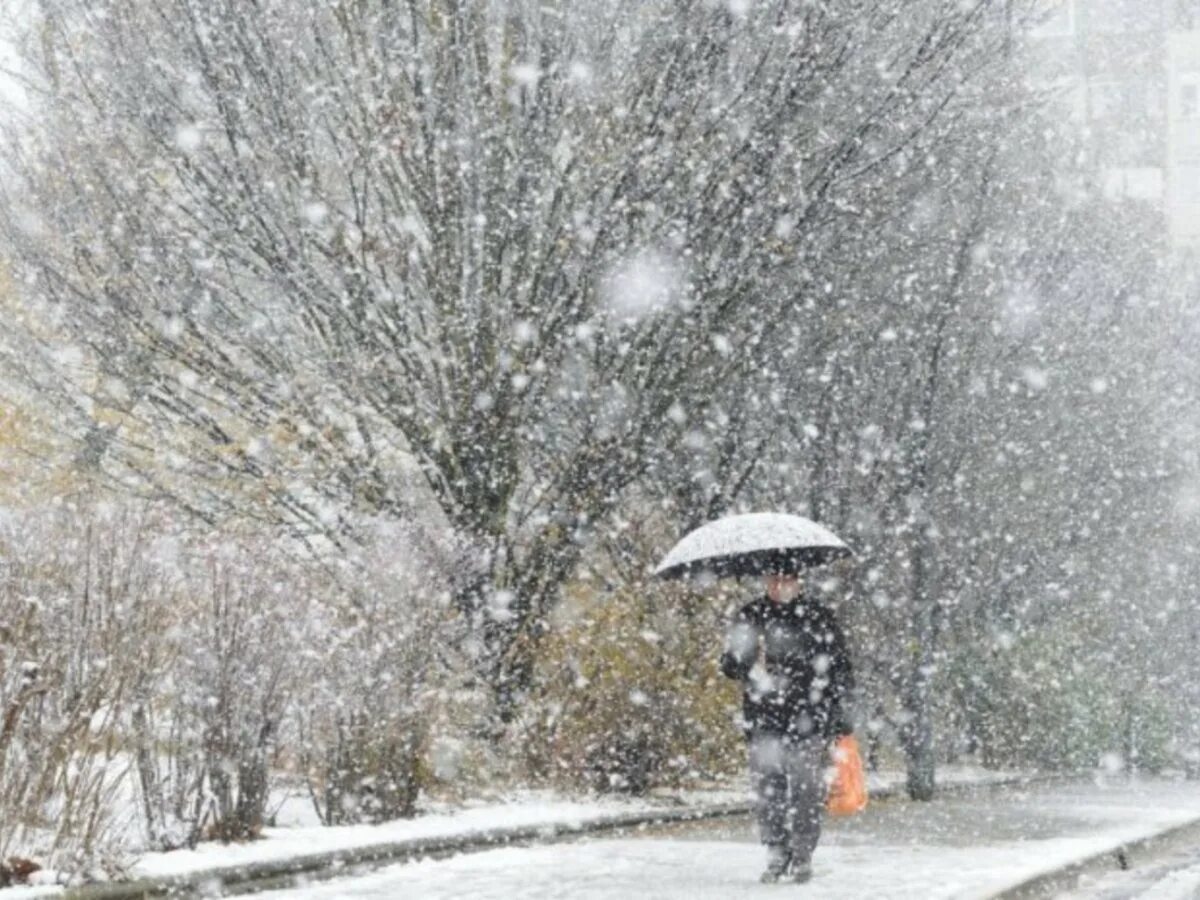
(1187, 15)
(1104, 98)
(1119, 16)
(1130, 100)
(1187, 184)
(1189, 100)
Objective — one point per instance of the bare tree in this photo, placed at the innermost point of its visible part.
(290, 257)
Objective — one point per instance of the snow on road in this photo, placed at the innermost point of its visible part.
(299, 834)
(663, 868)
(286, 843)
(1181, 885)
(1174, 876)
(955, 848)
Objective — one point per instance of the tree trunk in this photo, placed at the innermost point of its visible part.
(148, 779)
(917, 734)
(512, 631)
(507, 632)
(1129, 743)
(918, 738)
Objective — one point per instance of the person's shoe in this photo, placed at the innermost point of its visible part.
(778, 859)
(800, 872)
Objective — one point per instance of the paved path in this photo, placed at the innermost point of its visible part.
(966, 846)
(1172, 876)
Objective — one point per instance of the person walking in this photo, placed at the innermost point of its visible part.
(789, 652)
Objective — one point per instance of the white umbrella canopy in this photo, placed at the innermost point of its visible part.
(753, 544)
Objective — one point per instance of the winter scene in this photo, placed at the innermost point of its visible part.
(684, 449)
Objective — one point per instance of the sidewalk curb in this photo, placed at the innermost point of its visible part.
(283, 873)
(1123, 855)
(254, 877)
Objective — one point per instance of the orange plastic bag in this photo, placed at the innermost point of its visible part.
(848, 791)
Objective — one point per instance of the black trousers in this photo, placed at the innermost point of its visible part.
(788, 777)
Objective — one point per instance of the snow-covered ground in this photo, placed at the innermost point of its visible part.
(29, 892)
(1179, 884)
(957, 847)
(299, 835)
(1170, 876)
(284, 843)
(1183, 884)
(298, 832)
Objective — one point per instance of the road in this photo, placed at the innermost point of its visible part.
(1169, 876)
(958, 847)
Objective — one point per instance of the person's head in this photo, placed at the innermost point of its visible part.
(782, 588)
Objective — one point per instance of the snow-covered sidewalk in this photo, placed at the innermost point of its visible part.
(521, 817)
(300, 845)
(522, 811)
(957, 847)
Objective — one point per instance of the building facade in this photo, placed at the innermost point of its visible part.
(1129, 73)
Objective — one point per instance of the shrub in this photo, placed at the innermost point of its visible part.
(630, 696)
(68, 665)
(1040, 701)
(373, 666)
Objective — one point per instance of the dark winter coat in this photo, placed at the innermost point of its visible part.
(808, 675)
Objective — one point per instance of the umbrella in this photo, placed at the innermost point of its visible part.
(753, 544)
